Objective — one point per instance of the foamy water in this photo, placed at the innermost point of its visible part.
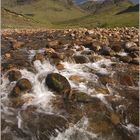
(41, 95)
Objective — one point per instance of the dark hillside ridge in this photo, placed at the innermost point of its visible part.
(130, 9)
(94, 6)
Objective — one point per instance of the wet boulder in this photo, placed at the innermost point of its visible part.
(106, 51)
(129, 45)
(23, 85)
(7, 55)
(17, 44)
(14, 75)
(126, 59)
(80, 59)
(58, 83)
(60, 66)
(124, 78)
(75, 78)
(135, 61)
(116, 47)
(39, 56)
(55, 44)
(104, 79)
(80, 97)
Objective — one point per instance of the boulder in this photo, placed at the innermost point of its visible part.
(81, 97)
(126, 59)
(17, 44)
(7, 55)
(23, 85)
(14, 75)
(105, 79)
(135, 61)
(58, 83)
(106, 51)
(116, 47)
(55, 44)
(80, 59)
(39, 56)
(75, 78)
(60, 66)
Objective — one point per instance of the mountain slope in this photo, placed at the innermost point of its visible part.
(101, 6)
(107, 16)
(11, 19)
(63, 13)
(45, 11)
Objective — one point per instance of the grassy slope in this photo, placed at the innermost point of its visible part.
(106, 18)
(47, 12)
(56, 15)
(13, 20)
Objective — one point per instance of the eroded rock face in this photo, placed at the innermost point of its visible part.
(58, 83)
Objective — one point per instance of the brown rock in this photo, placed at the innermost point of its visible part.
(135, 61)
(49, 50)
(126, 59)
(14, 75)
(7, 55)
(75, 78)
(125, 79)
(39, 56)
(106, 79)
(60, 66)
(80, 59)
(23, 85)
(17, 44)
(58, 83)
(116, 47)
(55, 44)
(115, 118)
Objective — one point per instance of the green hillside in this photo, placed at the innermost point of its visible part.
(107, 17)
(64, 14)
(46, 12)
(13, 20)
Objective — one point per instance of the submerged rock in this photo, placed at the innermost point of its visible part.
(58, 83)
(43, 125)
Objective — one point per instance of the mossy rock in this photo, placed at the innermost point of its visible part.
(58, 83)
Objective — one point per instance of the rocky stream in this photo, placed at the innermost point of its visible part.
(73, 84)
